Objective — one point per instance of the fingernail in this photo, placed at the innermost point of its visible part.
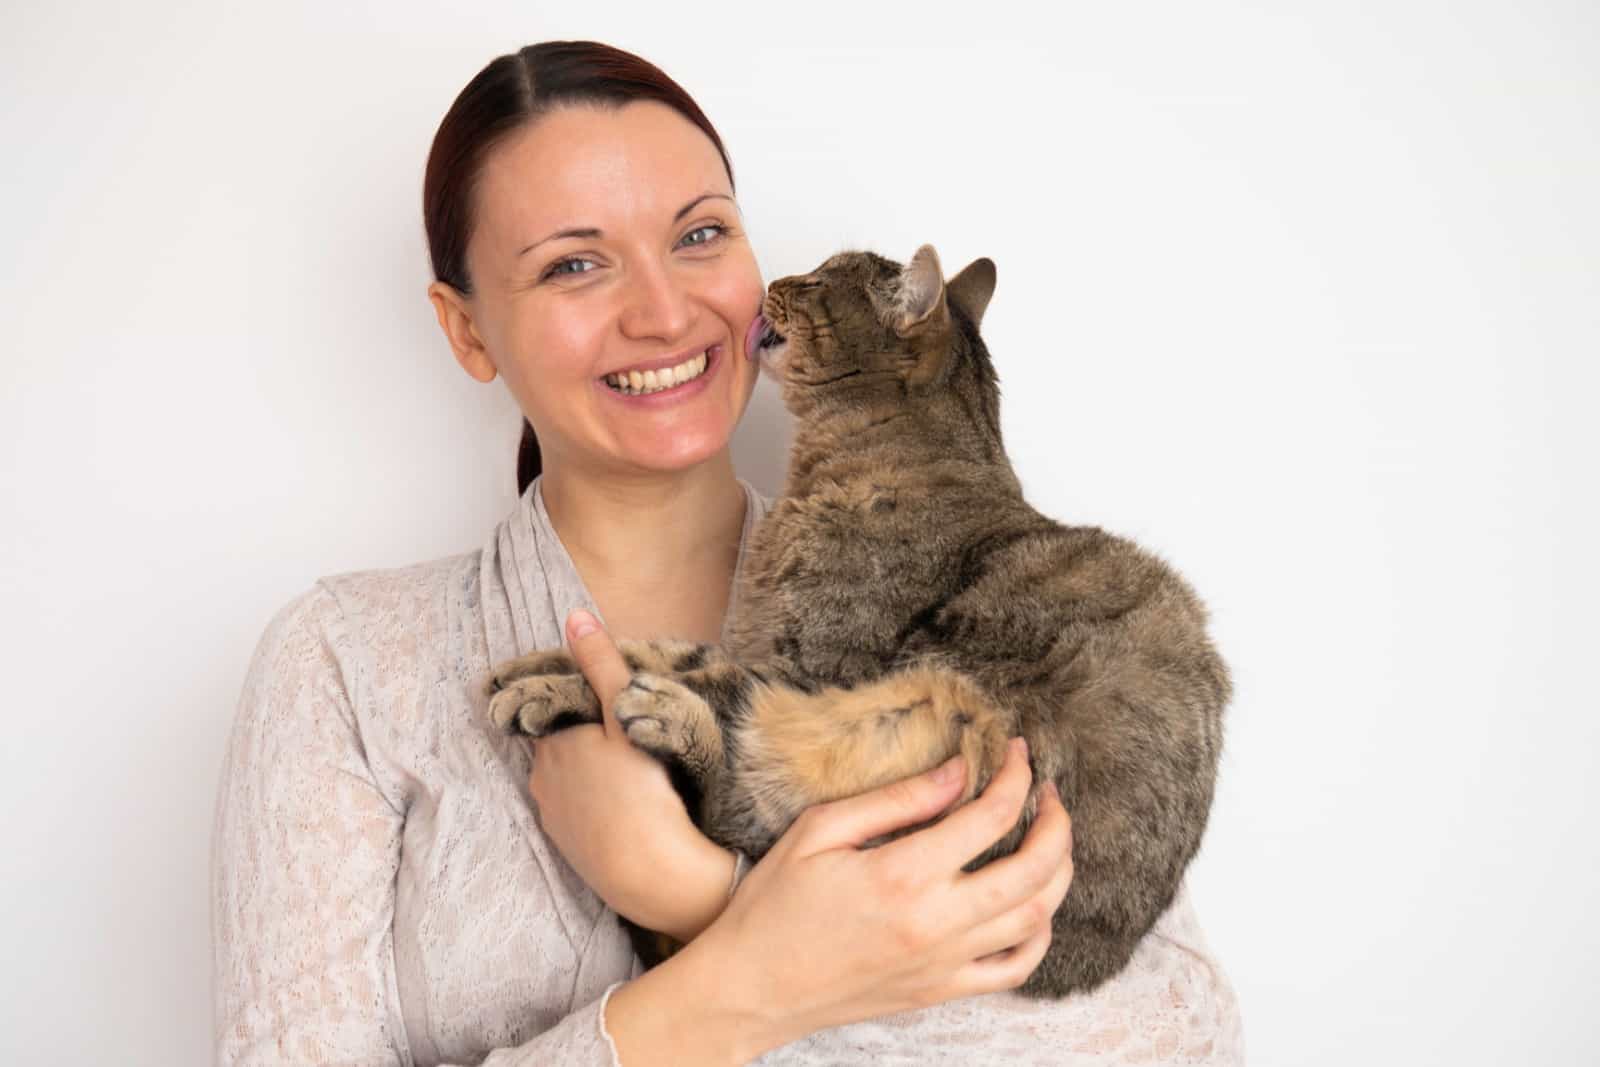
(948, 771)
(580, 624)
(1019, 745)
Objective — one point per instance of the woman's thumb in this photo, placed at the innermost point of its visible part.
(601, 663)
(856, 820)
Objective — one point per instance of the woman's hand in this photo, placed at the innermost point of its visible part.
(615, 817)
(822, 933)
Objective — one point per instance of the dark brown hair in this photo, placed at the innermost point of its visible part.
(510, 92)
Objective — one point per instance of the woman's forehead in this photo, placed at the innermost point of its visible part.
(588, 167)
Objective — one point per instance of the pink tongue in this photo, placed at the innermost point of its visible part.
(752, 336)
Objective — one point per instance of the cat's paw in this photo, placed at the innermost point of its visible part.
(540, 704)
(549, 661)
(670, 721)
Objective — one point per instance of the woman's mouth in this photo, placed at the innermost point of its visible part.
(673, 379)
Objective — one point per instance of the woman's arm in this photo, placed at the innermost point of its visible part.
(304, 854)
(822, 932)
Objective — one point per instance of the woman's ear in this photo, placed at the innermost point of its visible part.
(455, 319)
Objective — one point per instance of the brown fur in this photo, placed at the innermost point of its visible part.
(902, 602)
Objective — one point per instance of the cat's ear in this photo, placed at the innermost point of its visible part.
(921, 294)
(972, 289)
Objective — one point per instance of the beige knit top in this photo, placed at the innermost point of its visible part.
(382, 892)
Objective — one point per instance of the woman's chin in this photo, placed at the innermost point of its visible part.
(679, 451)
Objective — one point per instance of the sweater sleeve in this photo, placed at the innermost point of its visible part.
(305, 849)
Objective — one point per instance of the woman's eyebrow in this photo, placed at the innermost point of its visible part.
(590, 232)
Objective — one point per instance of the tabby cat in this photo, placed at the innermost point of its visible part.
(902, 602)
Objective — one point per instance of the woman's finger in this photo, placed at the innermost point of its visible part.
(964, 833)
(853, 821)
(1003, 970)
(601, 663)
(1023, 921)
(1043, 858)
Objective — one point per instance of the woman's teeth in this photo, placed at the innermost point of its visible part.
(638, 383)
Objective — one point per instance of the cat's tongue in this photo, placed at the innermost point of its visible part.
(752, 336)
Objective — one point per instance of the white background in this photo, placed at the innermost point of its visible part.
(1305, 296)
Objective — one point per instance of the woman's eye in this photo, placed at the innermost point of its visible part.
(558, 268)
(714, 231)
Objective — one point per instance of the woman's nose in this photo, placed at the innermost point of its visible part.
(658, 306)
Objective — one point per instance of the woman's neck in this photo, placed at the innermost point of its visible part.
(669, 540)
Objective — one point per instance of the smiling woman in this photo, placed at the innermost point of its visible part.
(623, 264)
(607, 266)
(395, 883)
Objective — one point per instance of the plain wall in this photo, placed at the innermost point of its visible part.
(1304, 296)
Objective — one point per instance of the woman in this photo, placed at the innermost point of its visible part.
(384, 890)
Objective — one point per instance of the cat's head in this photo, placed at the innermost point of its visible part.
(862, 325)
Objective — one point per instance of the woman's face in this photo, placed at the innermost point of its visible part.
(608, 242)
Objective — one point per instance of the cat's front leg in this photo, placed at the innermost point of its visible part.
(668, 719)
(540, 693)
(544, 691)
(664, 708)
(680, 707)
(543, 662)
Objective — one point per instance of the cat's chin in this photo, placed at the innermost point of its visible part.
(771, 360)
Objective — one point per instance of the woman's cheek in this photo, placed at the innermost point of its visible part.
(742, 289)
(561, 351)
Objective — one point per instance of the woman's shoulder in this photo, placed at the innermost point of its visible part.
(404, 592)
(380, 608)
